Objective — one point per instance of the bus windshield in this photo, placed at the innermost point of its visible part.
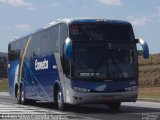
(104, 61)
(89, 60)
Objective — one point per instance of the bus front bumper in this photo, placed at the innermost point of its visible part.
(100, 98)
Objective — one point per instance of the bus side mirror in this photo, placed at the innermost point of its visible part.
(68, 49)
(145, 47)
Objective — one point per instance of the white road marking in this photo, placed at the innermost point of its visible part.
(12, 109)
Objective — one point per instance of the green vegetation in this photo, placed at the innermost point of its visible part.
(149, 71)
(149, 94)
(153, 60)
(4, 85)
(3, 66)
(149, 76)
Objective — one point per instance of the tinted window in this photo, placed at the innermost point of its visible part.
(54, 38)
(104, 61)
(109, 32)
(14, 51)
(36, 44)
(63, 35)
(44, 42)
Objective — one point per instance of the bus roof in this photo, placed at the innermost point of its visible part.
(85, 20)
(72, 21)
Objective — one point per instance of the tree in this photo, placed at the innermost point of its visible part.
(3, 66)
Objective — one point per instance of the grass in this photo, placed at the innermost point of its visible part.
(149, 71)
(149, 76)
(149, 92)
(4, 85)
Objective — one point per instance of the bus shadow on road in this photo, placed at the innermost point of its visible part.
(138, 110)
(84, 109)
(98, 109)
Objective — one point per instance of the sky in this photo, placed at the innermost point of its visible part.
(21, 17)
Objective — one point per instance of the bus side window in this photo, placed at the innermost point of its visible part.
(53, 38)
(14, 54)
(14, 51)
(36, 44)
(63, 36)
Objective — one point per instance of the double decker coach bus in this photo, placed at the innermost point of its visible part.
(76, 61)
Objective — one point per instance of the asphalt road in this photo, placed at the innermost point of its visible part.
(128, 111)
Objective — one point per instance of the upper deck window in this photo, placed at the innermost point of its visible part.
(99, 31)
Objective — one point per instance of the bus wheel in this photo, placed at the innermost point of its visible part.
(22, 97)
(114, 106)
(60, 103)
(18, 96)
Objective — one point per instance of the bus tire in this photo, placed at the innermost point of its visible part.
(114, 106)
(23, 100)
(16, 90)
(18, 96)
(60, 103)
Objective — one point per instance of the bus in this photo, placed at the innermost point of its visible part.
(76, 61)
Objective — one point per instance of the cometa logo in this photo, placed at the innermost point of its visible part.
(41, 65)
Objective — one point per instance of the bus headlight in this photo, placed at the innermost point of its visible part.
(78, 89)
(133, 88)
